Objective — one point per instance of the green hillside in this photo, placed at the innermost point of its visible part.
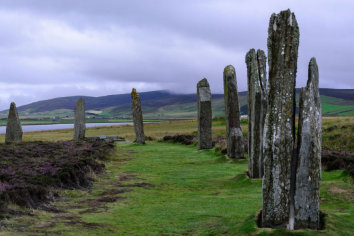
(167, 105)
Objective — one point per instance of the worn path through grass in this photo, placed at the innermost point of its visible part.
(172, 189)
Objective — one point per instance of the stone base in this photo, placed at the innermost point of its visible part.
(298, 225)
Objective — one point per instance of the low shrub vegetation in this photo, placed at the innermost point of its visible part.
(30, 171)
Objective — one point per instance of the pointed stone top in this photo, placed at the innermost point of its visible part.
(80, 105)
(203, 83)
(134, 93)
(283, 38)
(281, 21)
(229, 71)
(80, 100)
(135, 97)
(250, 54)
(12, 106)
(284, 16)
(260, 52)
(313, 80)
(313, 73)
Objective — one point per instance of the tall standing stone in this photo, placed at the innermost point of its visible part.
(137, 117)
(308, 172)
(80, 120)
(204, 115)
(279, 129)
(232, 114)
(13, 128)
(257, 79)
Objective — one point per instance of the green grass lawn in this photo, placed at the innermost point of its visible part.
(182, 191)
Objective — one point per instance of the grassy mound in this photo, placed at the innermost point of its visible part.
(30, 171)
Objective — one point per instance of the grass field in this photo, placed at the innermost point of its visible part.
(171, 189)
(337, 132)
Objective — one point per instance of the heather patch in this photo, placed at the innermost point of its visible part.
(338, 160)
(31, 171)
(182, 138)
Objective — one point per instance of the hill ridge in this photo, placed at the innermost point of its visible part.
(167, 104)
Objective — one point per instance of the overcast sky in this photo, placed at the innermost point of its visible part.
(100, 47)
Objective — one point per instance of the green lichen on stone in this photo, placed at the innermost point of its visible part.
(134, 95)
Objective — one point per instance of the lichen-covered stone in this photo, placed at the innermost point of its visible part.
(232, 115)
(256, 76)
(308, 174)
(13, 128)
(137, 117)
(80, 120)
(279, 127)
(204, 115)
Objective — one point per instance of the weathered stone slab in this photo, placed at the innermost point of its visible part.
(13, 128)
(279, 129)
(204, 115)
(137, 117)
(308, 172)
(256, 76)
(80, 120)
(232, 115)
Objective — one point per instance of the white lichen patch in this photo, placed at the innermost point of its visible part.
(204, 94)
(290, 20)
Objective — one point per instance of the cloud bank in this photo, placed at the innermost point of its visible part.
(88, 47)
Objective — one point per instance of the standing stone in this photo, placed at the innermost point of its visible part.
(80, 124)
(308, 172)
(13, 128)
(232, 114)
(137, 117)
(204, 115)
(279, 128)
(256, 76)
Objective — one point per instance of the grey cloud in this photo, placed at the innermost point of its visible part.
(158, 44)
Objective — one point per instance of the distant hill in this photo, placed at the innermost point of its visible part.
(165, 105)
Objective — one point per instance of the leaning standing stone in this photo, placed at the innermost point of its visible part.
(308, 174)
(204, 115)
(80, 123)
(256, 77)
(13, 128)
(279, 130)
(137, 117)
(232, 114)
